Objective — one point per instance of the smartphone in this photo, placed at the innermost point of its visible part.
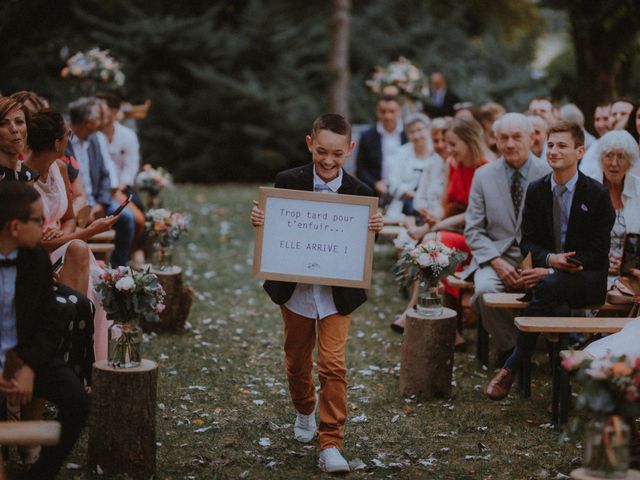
(630, 254)
(122, 206)
(58, 265)
(574, 261)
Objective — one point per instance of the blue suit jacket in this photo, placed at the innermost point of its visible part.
(100, 180)
(369, 160)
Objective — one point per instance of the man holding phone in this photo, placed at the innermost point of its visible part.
(566, 226)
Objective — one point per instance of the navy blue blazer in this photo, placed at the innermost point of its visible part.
(40, 329)
(588, 232)
(369, 160)
(100, 180)
(301, 178)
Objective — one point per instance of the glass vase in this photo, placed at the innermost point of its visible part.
(125, 345)
(162, 256)
(606, 447)
(429, 300)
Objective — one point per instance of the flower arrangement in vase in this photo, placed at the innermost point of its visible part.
(129, 296)
(164, 227)
(92, 69)
(610, 389)
(427, 263)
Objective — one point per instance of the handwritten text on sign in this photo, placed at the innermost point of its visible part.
(315, 238)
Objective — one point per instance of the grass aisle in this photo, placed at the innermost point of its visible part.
(223, 408)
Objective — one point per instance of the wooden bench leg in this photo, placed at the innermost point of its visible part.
(482, 343)
(555, 382)
(524, 378)
(565, 386)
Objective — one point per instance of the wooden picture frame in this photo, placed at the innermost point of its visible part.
(315, 238)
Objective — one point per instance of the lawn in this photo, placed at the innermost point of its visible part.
(223, 409)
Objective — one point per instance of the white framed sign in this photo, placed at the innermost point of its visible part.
(316, 238)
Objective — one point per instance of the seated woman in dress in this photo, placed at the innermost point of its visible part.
(14, 121)
(468, 152)
(408, 164)
(617, 154)
(428, 198)
(48, 136)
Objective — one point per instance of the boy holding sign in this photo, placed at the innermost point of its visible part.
(307, 308)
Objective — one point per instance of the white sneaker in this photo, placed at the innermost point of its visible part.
(305, 427)
(332, 461)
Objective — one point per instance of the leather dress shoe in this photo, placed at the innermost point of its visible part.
(500, 385)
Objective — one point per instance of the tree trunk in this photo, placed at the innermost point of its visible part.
(122, 423)
(603, 34)
(178, 301)
(339, 57)
(426, 360)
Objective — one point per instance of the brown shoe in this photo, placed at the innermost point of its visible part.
(500, 385)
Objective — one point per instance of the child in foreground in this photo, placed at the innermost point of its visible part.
(307, 309)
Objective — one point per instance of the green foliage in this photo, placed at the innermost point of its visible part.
(235, 85)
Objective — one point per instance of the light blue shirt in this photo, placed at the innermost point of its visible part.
(81, 153)
(567, 200)
(8, 329)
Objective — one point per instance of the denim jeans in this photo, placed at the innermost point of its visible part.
(125, 231)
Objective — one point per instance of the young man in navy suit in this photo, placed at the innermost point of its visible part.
(32, 331)
(379, 144)
(327, 310)
(566, 226)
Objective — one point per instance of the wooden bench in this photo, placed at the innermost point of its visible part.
(510, 300)
(101, 245)
(27, 434)
(394, 225)
(561, 326)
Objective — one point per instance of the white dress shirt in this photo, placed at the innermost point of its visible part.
(124, 149)
(315, 301)
(390, 142)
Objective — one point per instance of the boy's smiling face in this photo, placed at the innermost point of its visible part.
(329, 150)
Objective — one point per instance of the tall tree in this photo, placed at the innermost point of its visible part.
(604, 37)
(338, 100)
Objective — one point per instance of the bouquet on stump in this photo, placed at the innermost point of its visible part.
(610, 390)
(427, 263)
(164, 227)
(129, 296)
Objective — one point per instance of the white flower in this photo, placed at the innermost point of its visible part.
(425, 260)
(443, 260)
(125, 284)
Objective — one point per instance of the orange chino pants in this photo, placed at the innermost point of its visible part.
(299, 343)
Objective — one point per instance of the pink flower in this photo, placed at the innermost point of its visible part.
(160, 307)
(570, 363)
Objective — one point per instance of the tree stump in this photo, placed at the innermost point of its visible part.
(426, 360)
(177, 302)
(122, 423)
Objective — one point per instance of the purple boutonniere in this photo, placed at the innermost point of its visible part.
(584, 208)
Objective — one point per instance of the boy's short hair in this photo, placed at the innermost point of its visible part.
(574, 129)
(334, 123)
(16, 199)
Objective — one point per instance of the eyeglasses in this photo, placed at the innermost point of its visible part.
(619, 157)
